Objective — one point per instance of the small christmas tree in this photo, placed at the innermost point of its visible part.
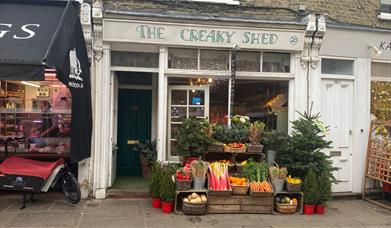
(304, 150)
(155, 180)
(324, 188)
(310, 188)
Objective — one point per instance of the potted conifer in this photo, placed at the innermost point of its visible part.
(167, 191)
(154, 184)
(324, 190)
(310, 189)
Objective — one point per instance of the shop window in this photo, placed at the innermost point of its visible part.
(385, 6)
(266, 101)
(276, 62)
(38, 114)
(337, 66)
(183, 59)
(134, 78)
(214, 60)
(248, 61)
(381, 90)
(135, 59)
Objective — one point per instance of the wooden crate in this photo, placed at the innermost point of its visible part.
(298, 195)
(240, 204)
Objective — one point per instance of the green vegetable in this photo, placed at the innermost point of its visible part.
(255, 171)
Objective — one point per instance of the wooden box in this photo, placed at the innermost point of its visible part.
(240, 204)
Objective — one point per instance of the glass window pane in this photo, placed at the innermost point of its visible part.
(276, 62)
(178, 114)
(196, 112)
(174, 130)
(337, 66)
(196, 97)
(173, 145)
(135, 59)
(381, 70)
(266, 101)
(218, 101)
(178, 97)
(183, 58)
(248, 61)
(214, 60)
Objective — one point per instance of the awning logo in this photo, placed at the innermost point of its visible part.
(75, 68)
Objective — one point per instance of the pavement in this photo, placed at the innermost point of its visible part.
(53, 211)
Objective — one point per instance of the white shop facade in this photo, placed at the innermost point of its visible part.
(151, 75)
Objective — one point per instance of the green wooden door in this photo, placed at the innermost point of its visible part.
(134, 124)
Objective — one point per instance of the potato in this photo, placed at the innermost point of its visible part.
(196, 200)
(186, 200)
(189, 197)
(203, 198)
(194, 195)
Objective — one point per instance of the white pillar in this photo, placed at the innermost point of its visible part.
(162, 106)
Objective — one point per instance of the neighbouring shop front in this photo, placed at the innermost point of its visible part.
(45, 94)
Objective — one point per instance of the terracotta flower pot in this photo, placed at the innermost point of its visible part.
(156, 202)
(167, 207)
(320, 209)
(308, 209)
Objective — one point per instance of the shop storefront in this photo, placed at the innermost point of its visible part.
(45, 95)
(167, 72)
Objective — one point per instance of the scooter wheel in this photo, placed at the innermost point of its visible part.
(70, 188)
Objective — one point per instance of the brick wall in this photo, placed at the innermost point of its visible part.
(360, 12)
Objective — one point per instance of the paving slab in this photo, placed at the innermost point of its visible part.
(112, 222)
(45, 219)
(6, 218)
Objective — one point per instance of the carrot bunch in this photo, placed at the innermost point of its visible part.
(263, 186)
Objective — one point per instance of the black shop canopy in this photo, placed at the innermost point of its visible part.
(46, 34)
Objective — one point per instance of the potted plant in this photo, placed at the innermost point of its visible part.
(154, 184)
(310, 189)
(278, 175)
(167, 191)
(148, 155)
(192, 139)
(198, 171)
(324, 189)
(273, 142)
(255, 134)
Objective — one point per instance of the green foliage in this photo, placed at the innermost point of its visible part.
(275, 140)
(255, 131)
(148, 151)
(324, 188)
(310, 188)
(235, 133)
(155, 179)
(255, 171)
(304, 148)
(167, 185)
(192, 138)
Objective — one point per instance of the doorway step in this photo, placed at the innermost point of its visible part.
(129, 188)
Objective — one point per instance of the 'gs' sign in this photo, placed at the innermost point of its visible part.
(27, 31)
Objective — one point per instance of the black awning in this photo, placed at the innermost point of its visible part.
(40, 34)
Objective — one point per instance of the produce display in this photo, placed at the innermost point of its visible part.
(291, 180)
(255, 171)
(183, 174)
(218, 176)
(263, 186)
(238, 181)
(194, 198)
(199, 168)
(235, 146)
(286, 200)
(277, 172)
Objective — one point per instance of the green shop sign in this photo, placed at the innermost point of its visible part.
(203, 36)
